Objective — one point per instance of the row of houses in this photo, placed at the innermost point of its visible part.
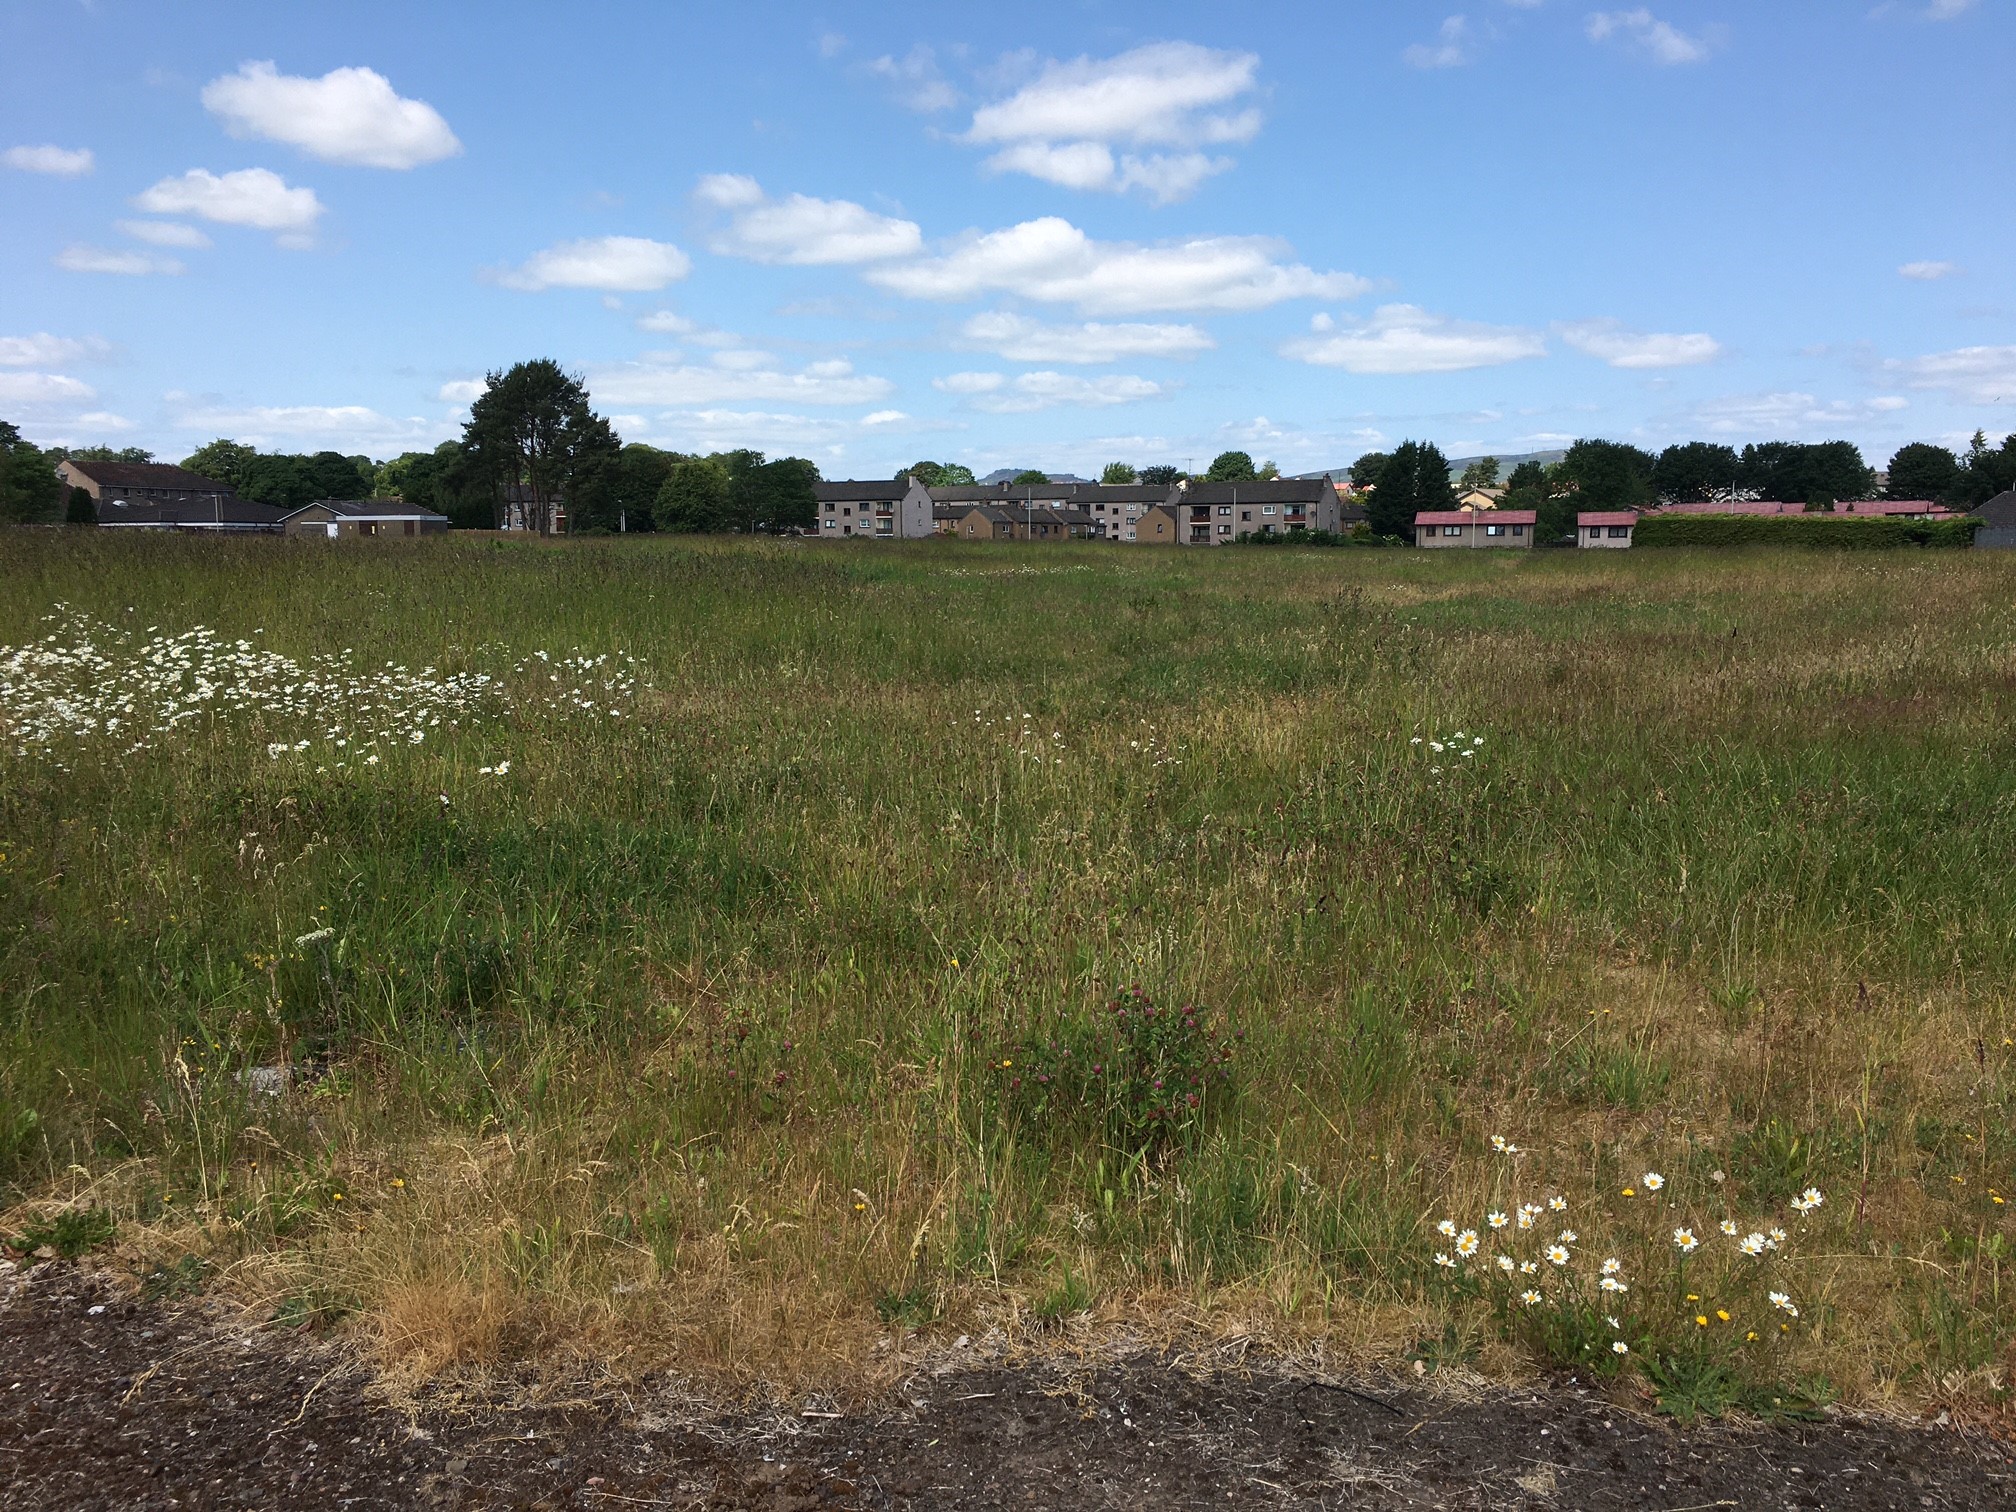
(156, 496)
(1480, 522)
(1185, 513)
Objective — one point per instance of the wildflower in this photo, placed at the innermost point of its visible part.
(1531, 1298)
(1436, 746)
(1527, 1213)
(1751, 1244)
(1783, 1303)
(1722, 1314)
(1415, 741)
(1496, 1220)
(1446, 1229)
(1506, 1264)
(1808, 1200)
(1653, 1181)
(1445, 1262)
(1612, 1284)
(314, 937)
(1466, 1243)
(1612, 1266)
(372, 759)
(1620, 1347)
(399, 1181)
(1557, 1204)
(1569, 1236)
(1498, 1143)
(1685, 1241)
(1776, 1238)
(1557, 1254)
(1728, 1226)
(1628, 1192)
(1529, 1267)
(1700, 1320)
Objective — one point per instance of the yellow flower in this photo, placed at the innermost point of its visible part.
(1006, 1064)
(1701, 1320)
(1722, 1315)
(860, 1207)
(1750, 1337)
(398, 1181)
(337, 1197)
(1629, 1193)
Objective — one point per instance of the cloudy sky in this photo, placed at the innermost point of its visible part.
(1043, 234)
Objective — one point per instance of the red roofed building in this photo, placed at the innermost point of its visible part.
(1607, 528)
(1468, 527)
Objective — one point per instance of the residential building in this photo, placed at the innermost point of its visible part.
(882, 509)
(1158, 526)
(1216, 514)
(141, 482)
(1998, 522)
(1480, 498)
(1607, 528)
(1117, 507)
(1475, 527)
(332, 518)
(985, 522)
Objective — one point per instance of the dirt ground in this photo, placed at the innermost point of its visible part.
(107, 1401)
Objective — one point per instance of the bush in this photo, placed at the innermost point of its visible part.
(1300, 538)
(1838, 532)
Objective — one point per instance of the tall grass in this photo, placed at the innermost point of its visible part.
(682, 1042)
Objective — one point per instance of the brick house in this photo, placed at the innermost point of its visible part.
(881, 509)
(1216, 514)
(331, 518)
(141, 482)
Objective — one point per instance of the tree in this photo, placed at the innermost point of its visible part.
(1230, 467)
(1414, 479)
(83, 509)
(226, 461)
(102, 454)
(1787, 470)
(1986, 471)
(1530, 488)
(1695, 471)
(1268, 471)
(534, 440)
(1031, 478)
(1365, 471)
(1922, 471)
(695, 496)
(955, 475)
(1118, 473)
(769, 496)
(1607, 475)
(30, 491)
(1526, 476)
(1483, 473)
(639, 473)
(335, 476)
(1162, 475)
(929, 474)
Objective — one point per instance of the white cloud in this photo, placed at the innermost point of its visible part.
(255, 197)
(675, 383)
(1974, 375)
(1400, 338)
(1052, 261)
(1454, 46)
(164, 233)
(78, 258)
(666, 322)
(62, 162)
(775, 432)
(1062, 126)
(1789, 414)
(42, 390)
(462, 391)
(1659, 40)
(1928, 272)
(969, 383)
(632, 264)
(342, 427)
(1030, 392)
(44, 350)
(349, 115)
(800, 230)
(1620, 348)
(917, 80)
(884, 417)
(1947, 10)
(1020, 339)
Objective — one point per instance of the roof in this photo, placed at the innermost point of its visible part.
(147, 475)
(854, 488)
(1892, 507)
(1999, 511)
(1590, 517)
(992, 512)
(1478, 517)
(1271, 491)
(216, 512)
(370, 509)
(1733, 506)
(1125, 493)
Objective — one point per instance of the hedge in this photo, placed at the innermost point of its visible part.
(1838, 532)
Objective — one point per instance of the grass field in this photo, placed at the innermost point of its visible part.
(756, 999)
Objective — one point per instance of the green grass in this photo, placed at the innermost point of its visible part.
(683, 1043)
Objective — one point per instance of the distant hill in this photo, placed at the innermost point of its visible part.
(1010, 474)
(1506, 462)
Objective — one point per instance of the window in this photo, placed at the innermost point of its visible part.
(846, 509)
(1225, 509)
(1518, 530)
(1620, 532)
(831, 522)
(1245, 514)
(1494, 530)
(1224, 530)
(1266, 509)
(1452, 530)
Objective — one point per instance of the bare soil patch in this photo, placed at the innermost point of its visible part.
(115, 1402)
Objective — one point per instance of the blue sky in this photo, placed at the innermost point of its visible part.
(1042, 234)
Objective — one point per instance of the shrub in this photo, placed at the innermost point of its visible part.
(1837, 532)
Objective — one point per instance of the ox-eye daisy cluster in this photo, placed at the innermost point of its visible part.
(89, 684)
